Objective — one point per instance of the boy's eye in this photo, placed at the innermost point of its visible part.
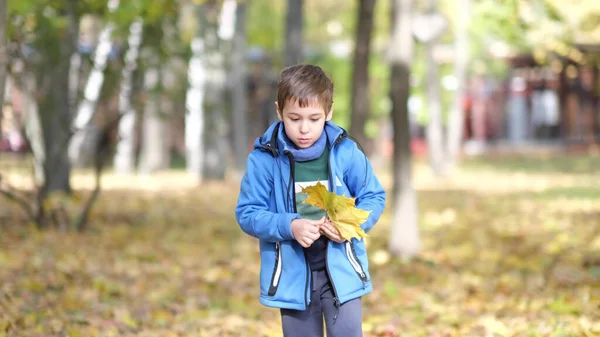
(315, 119)
(294, 119)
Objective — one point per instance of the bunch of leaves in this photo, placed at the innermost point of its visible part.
(340, 210)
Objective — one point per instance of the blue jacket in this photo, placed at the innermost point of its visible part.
(266, 208)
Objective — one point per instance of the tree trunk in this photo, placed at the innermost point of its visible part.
(3, 57)
(154, 152)
(74, 72)
(194, 102)
(240, 95)
(216, 127)
(82, 141)
(194, 118)
(33, 125)
(124, 160)
(75, 62)
(434, 104)
(293, 32)
(456, 116)
(404, 240)
(361, 103)
(55, 122)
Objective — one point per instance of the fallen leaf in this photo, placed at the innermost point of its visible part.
(340, 210)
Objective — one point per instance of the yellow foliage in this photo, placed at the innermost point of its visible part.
(340, 210)
(164, 256)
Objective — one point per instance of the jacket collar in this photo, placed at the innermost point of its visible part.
(272, 140)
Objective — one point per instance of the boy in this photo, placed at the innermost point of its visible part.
(307, 269)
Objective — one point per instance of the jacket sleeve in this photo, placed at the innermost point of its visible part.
(365, 187)
(252, 210)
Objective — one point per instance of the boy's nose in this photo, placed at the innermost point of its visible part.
(304, 127)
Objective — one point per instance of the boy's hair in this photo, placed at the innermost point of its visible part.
(305, 84)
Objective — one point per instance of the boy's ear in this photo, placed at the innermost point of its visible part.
(330, 113)
(279, 112)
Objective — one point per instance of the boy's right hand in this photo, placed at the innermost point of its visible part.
(306, 231)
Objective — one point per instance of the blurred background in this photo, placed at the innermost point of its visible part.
(125, 128)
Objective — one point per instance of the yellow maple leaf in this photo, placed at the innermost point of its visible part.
(340, 210)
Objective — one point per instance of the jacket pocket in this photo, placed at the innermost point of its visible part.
(353, 258)
(276, 271)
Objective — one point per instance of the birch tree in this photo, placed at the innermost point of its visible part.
(404, 239)
(33, 125)
(124, 160)
(74, 73)
(154, 133)
(456, 116)
(206, 127)
(159, 79)
(239, 82)
(431, 26)
(43, 77)
(87, 107)
(48, 84)
(194, 102)
(216, 125)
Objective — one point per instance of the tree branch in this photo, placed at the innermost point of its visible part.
(8, 193)
(102, 155)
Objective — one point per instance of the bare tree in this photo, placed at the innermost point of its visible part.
(404, 239)
(293, 32)
(360, 83)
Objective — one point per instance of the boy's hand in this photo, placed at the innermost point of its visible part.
(331, 232)
(306, 231)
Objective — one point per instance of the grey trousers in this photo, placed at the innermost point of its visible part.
(342, 321)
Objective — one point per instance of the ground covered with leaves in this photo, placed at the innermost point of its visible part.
(510, 247)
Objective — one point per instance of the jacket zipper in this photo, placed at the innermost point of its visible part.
(276, 270)
(336, 299)
(274, 284)
(292, 182)
(351, 253)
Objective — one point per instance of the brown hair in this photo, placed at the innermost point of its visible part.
(305, 84)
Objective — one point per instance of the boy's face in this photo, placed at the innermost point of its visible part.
(303, 126)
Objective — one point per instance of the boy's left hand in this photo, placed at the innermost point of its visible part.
(331, 232)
